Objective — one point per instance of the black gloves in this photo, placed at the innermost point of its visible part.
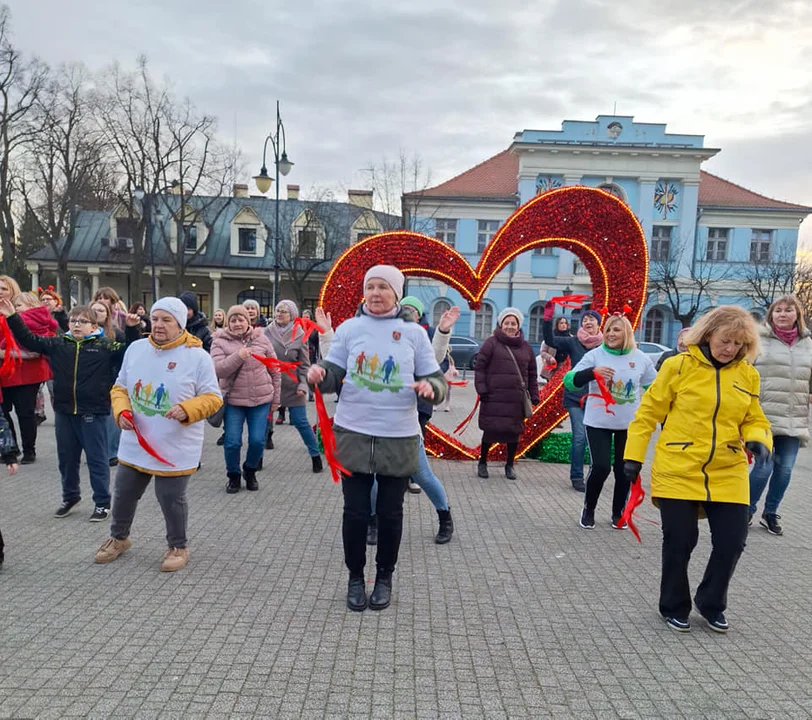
(759, 451)
(631, 469)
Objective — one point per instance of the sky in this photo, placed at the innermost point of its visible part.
(453, 80)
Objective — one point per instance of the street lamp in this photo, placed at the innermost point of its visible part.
(263, 182)
(146, 200)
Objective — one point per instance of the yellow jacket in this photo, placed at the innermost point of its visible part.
(708, 415)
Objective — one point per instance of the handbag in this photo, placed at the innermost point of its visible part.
(217, 417)
(527, 403)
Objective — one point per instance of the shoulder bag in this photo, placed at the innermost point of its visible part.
(527, 404)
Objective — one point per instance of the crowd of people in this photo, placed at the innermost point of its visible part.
(131, 389)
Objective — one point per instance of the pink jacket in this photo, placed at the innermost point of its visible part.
(248, 383)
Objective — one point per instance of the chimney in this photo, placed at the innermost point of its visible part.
(240, 190)
(293, 192)
(360, 198)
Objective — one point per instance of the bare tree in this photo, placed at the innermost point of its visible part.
(65, 166)
(803, 288)
(763, 282)
(20, 85)
(685, 283)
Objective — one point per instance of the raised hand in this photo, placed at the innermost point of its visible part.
(132, 320)
(448, 318)
(324, 320)
(6, 308)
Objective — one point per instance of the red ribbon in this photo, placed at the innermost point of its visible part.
(13, 357)
(328, 438)
(457, 383)
(281, 365)
(307, 325)
(635, 500)
(464, 424)
(605, 396)
(142, 441)
(569, 301)
(551, 364)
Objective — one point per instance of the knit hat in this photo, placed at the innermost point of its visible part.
(189, 299)
(172, 305)
(592, 313)
(412, 301)
(290, 306)
(238, 310)
(390, 275)
(251, 303)
(510, 311)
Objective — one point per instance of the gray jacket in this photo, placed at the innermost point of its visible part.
(786, 382)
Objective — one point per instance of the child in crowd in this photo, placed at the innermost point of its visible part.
(83, 362)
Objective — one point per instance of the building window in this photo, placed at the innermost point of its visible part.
(543, 250)
(535, 334)
(760, 242)
(363, 236)
(440, 307)
(613, 189)
(653, 328)
(248, 241)
(446, 230)
(578, 268)
(661, 242)
(483, 322)
(127, 227)
(190, 238)
(717, 245)
(308, 244)
(485, 231)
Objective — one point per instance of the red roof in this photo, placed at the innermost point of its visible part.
(496, 177)
(718, 192)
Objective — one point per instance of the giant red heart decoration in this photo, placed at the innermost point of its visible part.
(596, 226)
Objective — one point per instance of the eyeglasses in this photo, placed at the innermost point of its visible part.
(79, 321)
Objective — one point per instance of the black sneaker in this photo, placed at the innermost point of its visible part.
(66, 508)
(482, 470)
(99, 513)
(587, 520)
(770, 521)
(578, 485)
(677, 624)
(221, 440)
(617, 524)
(28, 459)
(717, 622)
(750, 520)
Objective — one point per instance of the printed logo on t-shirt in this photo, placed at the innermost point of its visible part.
(623, 392)
(150, 400)
(376, 374)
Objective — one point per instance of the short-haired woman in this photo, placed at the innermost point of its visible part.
(709, 396)
(785, 367)
(626, 371)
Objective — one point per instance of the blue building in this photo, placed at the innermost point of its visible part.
(692, 219)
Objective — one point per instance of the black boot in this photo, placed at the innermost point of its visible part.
(372, 530)
(221, 440)
(510, 473)
(269, 439)
(356, 593)
(233, 484)
(317, 466)
(482, 469)
(382, 592)
(446, 527)
(250, 475)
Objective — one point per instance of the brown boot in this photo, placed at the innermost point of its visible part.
(112, 548)
(175, 559)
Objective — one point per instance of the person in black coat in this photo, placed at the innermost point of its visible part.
(8, 455)
(196, 322)
(505, 368)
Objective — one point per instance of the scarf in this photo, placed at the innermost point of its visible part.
(283, 334)
(787, 336)
(590, 342)
(392, 313)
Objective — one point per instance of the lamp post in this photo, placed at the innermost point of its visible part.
(146, 201)
(263, 182)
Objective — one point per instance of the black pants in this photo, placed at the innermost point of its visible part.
(600, 450)
(389, 511)
(24, 400)
(728, 526)
(485, 448)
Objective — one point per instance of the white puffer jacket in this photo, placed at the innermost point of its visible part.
(786, 382)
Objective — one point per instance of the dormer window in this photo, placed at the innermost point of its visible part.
(248, 234)
(248, 241)
(190, 238)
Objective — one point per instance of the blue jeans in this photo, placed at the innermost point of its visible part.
(578, 442)
(779, 465)
(75, 433)
(257, 420)
(298, 418)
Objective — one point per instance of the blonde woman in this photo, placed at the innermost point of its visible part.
(710, 396)
(218, 320)
(626, 372)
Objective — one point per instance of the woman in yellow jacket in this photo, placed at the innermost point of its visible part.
(707, 399)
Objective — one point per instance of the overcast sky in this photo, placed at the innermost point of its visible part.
(454, 79)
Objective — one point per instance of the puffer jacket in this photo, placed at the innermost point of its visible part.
(247, 382)
(34, 368)
(708, 415)
(786, 382)
(198, 326)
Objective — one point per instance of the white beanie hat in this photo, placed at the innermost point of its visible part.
(174, 306)
(389, 274)
(510, 311)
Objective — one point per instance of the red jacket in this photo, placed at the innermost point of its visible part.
(34, 368)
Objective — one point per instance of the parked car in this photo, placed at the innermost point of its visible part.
(653, 350)
(464, 350)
